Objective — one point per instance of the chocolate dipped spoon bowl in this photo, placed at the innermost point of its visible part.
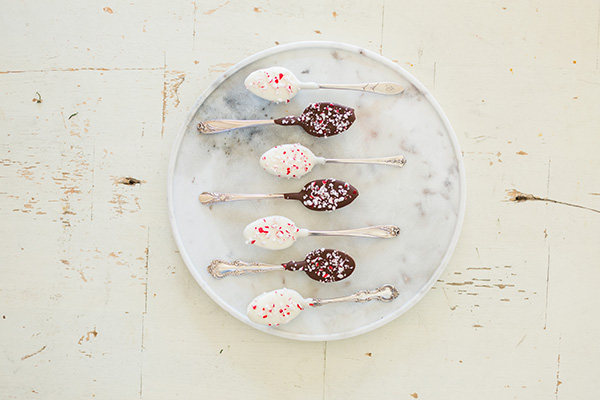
(322, 265)
(318, 195)
(318, 119)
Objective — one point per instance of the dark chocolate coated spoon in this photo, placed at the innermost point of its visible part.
(319, 195)
(322, 265)
(318, 119)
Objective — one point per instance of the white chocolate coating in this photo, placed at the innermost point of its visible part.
(273, 233)
(289, 160)
(276, 308)
(275, 84)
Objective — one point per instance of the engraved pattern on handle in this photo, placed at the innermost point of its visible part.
(223, 125)
(220, 269)
(385, 293)
(381, 231)
(395, 161)
(389, 88)
(212, 197)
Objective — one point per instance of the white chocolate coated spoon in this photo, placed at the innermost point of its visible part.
(283, 305)
(277, 232)
(295, 160)
(280, 85)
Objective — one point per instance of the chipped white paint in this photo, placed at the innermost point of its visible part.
(95, 301)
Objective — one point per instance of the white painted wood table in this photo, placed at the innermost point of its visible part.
(96, 302)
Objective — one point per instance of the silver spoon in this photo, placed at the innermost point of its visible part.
(295, 160)
(318, 119)
(283, 305)
(277, 232)
(280, 85)
(318, 195)
(322, 265)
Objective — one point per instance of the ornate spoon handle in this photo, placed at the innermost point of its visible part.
(390, 88)
(212, 197)
(222, 125)
(396, 161)
(381, 231)
(384, 293)
(220, 268)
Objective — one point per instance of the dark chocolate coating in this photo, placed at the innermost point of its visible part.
(324, 265)
(325, 194)
(322, 119)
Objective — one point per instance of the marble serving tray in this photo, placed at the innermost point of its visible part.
(425, 198)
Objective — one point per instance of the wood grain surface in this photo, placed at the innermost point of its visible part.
(95, 301)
